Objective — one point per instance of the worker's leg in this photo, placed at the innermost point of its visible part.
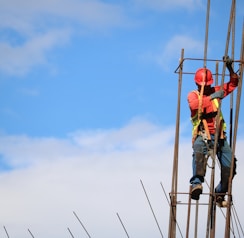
(199, 162)
(224, 155)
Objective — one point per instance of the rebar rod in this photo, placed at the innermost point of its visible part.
(173, 198)
(31, 233)
(239, 89)
(196, 219)
(237, 220)
(82, 225)
(188, 213)
(123, 225)
(201, 59)
(234, 222)
(212, 204)
(155, 218)
(231, 95)
(70, 233)
(169, 205)
(6, 231)
(165, 193)
(206, 34)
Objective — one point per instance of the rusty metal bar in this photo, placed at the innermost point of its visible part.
(200, 59)
(82, 224)
(229, 201)
(188, 213)
(232, 96)
(121, 222)
(6, 231)
(70, 233)
(206, 35)
(228, 212)
(155, 218)
(196, 219)
(173, 198)
(212, 204)
(169, 205)
(31, 233)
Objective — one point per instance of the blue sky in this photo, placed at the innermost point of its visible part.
(88, 99)
(66, 69)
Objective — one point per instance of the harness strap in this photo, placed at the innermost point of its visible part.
(205, 125)
(197, 119)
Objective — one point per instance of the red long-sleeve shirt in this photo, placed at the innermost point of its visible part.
(207, 105)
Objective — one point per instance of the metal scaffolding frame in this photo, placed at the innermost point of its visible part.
(211, 216)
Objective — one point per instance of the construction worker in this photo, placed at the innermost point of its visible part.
(203, 105)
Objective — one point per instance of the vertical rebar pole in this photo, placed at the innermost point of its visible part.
(228, 210)
(211, 202)
(229, 202)
(231, 95)
(169, 206)
(212, 193)
(173, 195)
(196, 219)
(188, 213)
(206, 35)
(205, 65)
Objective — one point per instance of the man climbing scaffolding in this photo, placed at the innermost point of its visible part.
(203, 105)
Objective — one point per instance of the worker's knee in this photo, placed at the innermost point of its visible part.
(200, 163)
(225, 175)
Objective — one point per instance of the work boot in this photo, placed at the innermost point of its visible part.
(220, 201)
(196, 191)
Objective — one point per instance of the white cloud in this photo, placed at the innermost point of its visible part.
(21, 58)
(36, 15)
(30, 29)
(172, 50)
(131, 137)
(178, 42)
(96, 174)
(91, 174)
(174, 46)
(26, 26)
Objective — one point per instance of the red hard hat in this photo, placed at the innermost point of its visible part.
(203, 75)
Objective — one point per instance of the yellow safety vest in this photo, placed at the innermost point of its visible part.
(196, 121)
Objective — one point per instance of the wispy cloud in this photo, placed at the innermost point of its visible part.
(29, 30)
(38, 16)
(182, 41)
(132, 137)
(18, 60)
(171, 50)
(137, 136)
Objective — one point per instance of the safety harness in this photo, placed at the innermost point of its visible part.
(200, 126)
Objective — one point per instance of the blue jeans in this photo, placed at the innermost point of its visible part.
(199, 162)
